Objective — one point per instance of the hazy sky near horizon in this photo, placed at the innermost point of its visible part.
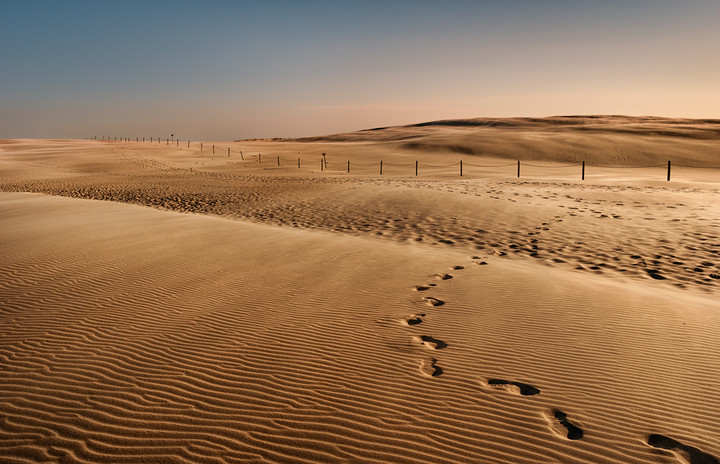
(220, 70)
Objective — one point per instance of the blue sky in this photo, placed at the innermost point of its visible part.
(229, 70)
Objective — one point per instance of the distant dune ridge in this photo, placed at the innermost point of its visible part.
(163, 303)
(627, 140)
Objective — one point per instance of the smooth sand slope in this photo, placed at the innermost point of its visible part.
(306, 316)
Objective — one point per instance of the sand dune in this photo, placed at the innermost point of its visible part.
(613, 140)
(307, 316)
(290, 346)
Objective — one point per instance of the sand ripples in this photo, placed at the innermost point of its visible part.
(114, 348)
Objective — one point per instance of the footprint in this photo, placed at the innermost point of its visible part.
(692, 454)
(573, 431)
(432, 343)
(433, 301)
(443, 276)
(421, 288)
(515, 387)
(415, 319)
(655, 274)
(457, 268)
(431, 368)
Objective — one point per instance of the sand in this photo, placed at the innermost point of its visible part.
(240, 312)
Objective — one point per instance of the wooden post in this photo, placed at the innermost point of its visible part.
(177, 142)
(136, 140)
(298, 163)
(200, 146)
(188, 144)
(518, 168)
(228, 152)
(416, 168)
(460, 168)
(116, 139)
(668, 177)
(241, 155)
(167, 141)
(213, 149)
(322, 165)
(583, 171)
(143, 139)
(260, 158)
(348, 165)
(278, 160)
(381, 167)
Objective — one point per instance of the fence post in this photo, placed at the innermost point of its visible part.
(278, 160)
(668, 177)
(322, 165)
(136, 140)
(143, 139)
(188, 144)
(348, 165)
(518, 168)
(381, 167)
(298, 163)
(583, 171)
(167, 142)
(213, 149)
(228, 152)
(200, 146)
(242, 156)
(460, 168)
(416, 168)
(177, 142)
(260, 158)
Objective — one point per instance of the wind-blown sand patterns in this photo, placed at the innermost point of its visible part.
(115, 348)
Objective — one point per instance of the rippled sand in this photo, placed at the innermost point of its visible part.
(307, 316)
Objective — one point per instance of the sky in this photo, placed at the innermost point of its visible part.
(226, 70)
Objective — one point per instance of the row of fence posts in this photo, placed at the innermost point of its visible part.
(323, 160)
(323, 166)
